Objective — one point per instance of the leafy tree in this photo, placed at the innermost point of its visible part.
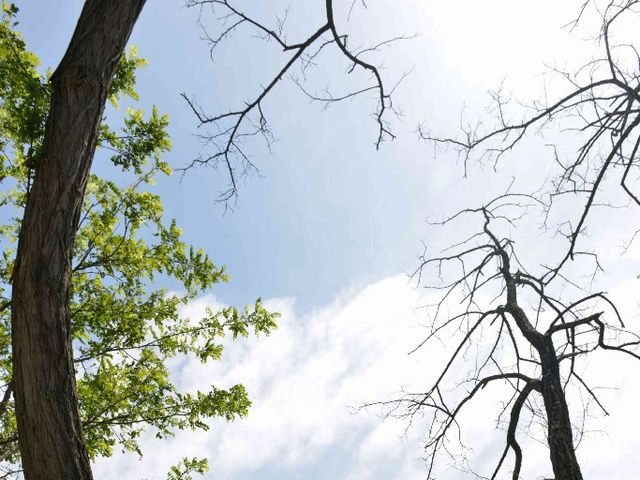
(47, 409)
(123, 327)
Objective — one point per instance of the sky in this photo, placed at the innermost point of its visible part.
(328, 229)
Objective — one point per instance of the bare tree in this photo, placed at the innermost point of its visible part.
(600, 110)
(541, 327)
(542, 322)
(230, 129)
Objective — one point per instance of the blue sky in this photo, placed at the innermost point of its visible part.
(319, 219)
(330, 211)
(329, 227)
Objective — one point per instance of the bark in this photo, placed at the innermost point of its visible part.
(560, 437)
(49, 428)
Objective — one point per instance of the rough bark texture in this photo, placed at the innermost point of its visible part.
(560, 437)
(49, 427)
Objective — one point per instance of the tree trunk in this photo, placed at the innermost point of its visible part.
(560, 437)
(49, 428)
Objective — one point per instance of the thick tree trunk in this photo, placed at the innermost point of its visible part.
(560, 437)
(49, 427)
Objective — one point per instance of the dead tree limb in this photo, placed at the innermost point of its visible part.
(538, 347)
(231, 128)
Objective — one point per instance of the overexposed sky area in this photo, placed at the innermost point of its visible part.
(328, 230)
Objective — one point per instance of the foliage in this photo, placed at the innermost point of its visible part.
(124, 327)
(186, 467)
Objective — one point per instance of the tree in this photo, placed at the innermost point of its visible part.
(49, 427)
(598, 110)
(67, 245)
(543, 320)
(231, 128)
(527, 332)
(121, 329)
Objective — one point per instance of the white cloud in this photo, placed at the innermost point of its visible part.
(305, 378)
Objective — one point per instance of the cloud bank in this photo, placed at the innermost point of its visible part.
(308, 378)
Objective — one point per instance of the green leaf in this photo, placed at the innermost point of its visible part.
(125, 328)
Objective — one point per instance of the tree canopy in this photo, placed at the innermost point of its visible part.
(124, 327)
